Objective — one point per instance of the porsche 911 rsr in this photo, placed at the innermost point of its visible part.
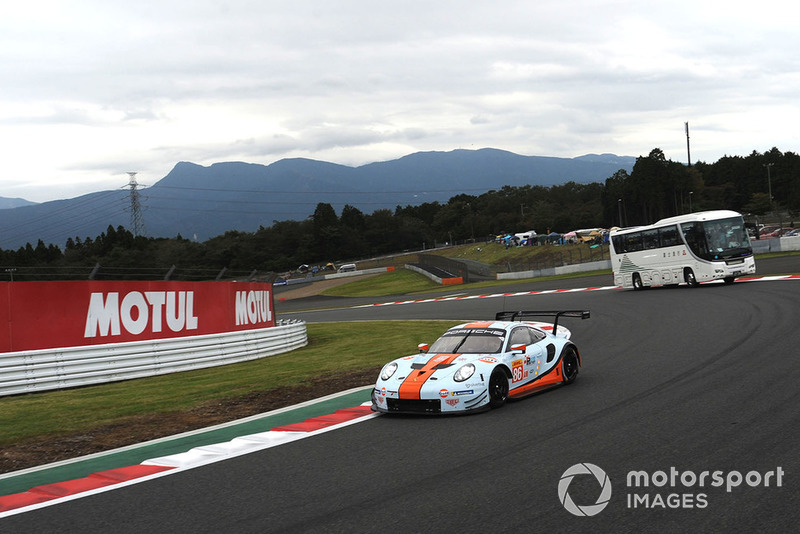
(479, 365)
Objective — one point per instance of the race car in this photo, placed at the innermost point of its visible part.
(479, 365)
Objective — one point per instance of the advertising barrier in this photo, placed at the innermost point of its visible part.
(66, 334)
(42, 315)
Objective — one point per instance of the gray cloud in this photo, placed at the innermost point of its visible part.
(97, 88)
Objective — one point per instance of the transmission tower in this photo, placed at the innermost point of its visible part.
(137, 219)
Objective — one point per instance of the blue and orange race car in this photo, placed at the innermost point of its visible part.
(479, 365)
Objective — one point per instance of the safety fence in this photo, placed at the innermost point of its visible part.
(559, 257)
(49, 369)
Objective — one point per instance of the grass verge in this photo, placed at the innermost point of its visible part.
(332, 347)
(406, 282)
(397, 282)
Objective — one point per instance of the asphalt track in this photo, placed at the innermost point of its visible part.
(675, 381)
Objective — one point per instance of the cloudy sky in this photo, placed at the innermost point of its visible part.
(93, 89)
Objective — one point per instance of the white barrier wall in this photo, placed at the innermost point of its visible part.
(48, 369)
(779, 244)
(553, 271)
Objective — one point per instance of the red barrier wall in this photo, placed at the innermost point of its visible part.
(43, 315)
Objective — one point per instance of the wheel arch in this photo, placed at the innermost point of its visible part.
(575, 348)
(503, 367)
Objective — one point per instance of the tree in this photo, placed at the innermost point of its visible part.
(327, 233)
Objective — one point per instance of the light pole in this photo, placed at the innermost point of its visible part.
(690, 201)
(769, 182)
(619, 208)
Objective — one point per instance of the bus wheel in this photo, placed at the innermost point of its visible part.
(637, 282)
(728, 281)
(690, 278)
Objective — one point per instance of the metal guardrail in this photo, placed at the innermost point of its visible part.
(43, 370)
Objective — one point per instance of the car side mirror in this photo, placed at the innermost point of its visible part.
(519, 348)
(423, 347)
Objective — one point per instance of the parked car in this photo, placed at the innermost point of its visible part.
(769, 232)
(778, 232)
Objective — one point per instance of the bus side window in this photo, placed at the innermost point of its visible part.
(650, 239)
(619, 244)
(633, 242)
(669, 236)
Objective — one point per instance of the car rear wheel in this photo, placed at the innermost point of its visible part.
(570, 365)
(498, 388)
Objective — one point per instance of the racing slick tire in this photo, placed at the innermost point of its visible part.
(570, 365)
(498, 388)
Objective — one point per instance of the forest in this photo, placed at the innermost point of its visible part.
(764, 185)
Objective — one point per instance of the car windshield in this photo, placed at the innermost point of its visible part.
(721, 239)
(469, 340)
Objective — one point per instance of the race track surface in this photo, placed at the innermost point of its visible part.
(678, 386)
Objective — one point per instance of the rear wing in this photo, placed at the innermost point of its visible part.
(522, 315)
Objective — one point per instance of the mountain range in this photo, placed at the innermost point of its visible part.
(200, 202)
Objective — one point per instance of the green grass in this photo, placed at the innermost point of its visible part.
(387, 284)
(332, 347)
(397, 282)
(498, 255)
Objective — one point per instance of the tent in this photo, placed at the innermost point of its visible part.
(553, 237)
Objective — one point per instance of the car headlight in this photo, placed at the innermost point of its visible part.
(388, 371)
(464, 372)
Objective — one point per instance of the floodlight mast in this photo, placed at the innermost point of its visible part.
(688, 153)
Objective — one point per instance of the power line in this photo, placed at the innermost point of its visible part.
(295, 192)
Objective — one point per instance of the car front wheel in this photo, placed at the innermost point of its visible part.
(498, 388)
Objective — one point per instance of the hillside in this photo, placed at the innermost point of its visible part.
(8, 203)
(200, 202)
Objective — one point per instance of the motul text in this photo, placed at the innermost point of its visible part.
(107, 315)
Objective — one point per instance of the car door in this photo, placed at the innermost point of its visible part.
(528, 365)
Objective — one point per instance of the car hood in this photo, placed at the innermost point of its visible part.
(443, 361)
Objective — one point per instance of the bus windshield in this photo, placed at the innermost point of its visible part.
(720, 239)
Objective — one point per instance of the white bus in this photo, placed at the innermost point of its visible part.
(692, 248)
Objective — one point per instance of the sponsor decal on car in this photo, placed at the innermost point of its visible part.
(460, 393)
(443, 393)
(452, 402)
(517, 372)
